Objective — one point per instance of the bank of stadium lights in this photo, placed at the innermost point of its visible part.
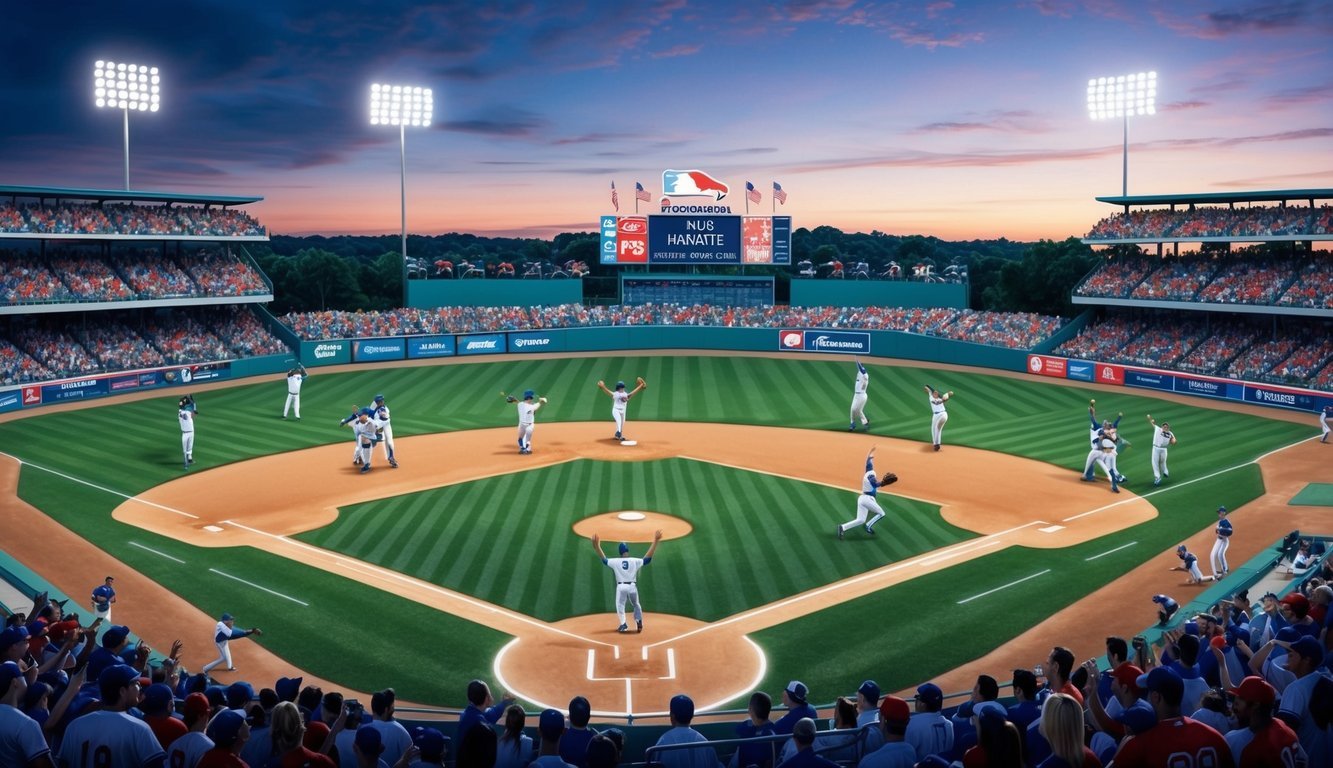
(129, 88)
(402, 105)
(1122, 97)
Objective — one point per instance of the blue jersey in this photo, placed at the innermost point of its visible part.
(1189, 559)
(869, 483)
(367, 411)
(1224, 528)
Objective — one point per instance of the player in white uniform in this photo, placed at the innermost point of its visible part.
(186, 414)
(627, 578)
(526, 418)
(1218, 558)
(939, 416)
(619, 398)
(1162, 438)
(367, 432)
(386, 430)
(1107, 459)
(1190, 564)
(1323, 422)
(294, 379)
(859, 397)
(1095, 458)
(866, 503)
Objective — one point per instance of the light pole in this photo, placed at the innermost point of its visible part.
(123, 86)
(401, 105)
(1122, 96)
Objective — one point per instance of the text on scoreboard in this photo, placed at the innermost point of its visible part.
(704, 239)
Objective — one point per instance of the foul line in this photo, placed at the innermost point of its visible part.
(799, 479)
(1006, 586)
(102, 488)
(154, 551)
(1111, 551)
(256, 586)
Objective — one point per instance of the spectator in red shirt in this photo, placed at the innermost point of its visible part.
(156, 707)
(1261, 739)
(1175, 740)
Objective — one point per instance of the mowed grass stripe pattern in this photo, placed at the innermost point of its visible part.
(509, 540)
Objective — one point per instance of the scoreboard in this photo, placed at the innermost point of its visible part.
(687, 289)
(703, 239)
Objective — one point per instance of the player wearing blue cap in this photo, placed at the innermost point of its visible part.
(866, 503)
(223, 634)
(1189, 564)
(527, 411)
(627, 577)
(859, 397)
(1218, 557)
(619, 399)
(357, 411)
(381, 417)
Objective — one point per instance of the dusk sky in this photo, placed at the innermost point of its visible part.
(956, 119)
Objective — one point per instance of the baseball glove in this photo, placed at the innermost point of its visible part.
(888, 479)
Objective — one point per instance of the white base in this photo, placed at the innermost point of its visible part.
(631, 516)
(629, 442)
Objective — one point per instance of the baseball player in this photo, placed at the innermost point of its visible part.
(619, 399)
(187, 414)
(1323, 422)
(527, 410)
(1106, 444)
(356, 442)
(939, 416)
(1190, 564)
(1219, 554)
(225, 632)
(367, 432)
(381, 417)
(1167, 610)
(859, 397)
(1095, 435)
(294, 378)
(103, 597)
(627, 578)
(866, 503)
(1162, 438)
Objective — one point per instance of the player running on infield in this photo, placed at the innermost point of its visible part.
(859, 397)
(627, 578)
(866, 503)
(619, 399)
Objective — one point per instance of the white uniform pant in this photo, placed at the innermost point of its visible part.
(628, 593)
(525, 436)
(1323, 426)
(386, 435)
(224, 657)
(937, 426)
(859, 408)
(1111, 464)
(1158, 463)
(1219, 555)
(1195, 574)
(365, 452)
(866, 506)
(1094, 460)
(1107, 461)
(293, 401)
(104, 615)
(619, 415)
(187, 445)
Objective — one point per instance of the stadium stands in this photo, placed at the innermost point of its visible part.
(1247, 279)
(126, 219)
(1253, 221)
(73, 275)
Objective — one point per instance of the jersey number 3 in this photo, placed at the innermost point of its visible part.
(624, 565)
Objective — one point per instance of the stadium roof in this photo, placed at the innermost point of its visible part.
(133, 196)
(1263, 196)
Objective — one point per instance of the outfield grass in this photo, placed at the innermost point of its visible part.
(751, 532)
(130, 447)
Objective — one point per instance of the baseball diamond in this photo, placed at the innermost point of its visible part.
(488, 549)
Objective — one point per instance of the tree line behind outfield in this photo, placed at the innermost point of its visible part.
(351, 272)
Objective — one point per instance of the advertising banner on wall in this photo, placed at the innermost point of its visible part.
(1045, 365)
(11, 400)
(537, 341)
(838, 342)
(371, 350)
(1108, 373)
(430, 346)
(1080, 370)
(1149, 379)
(332, 352)
(482, 344)
(79, 389)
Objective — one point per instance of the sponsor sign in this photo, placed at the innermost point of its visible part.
(756, 240)
(694, 239)
(123, 383)
(1286, 397)
(692, 183)
(430, 346)
(150, 379)
(79, 389)
(11, 400)
(837, 342)
(781, 239)
(1194, 385)
(537, 342)
(609, 232)
(1110, 374)
(482, 344)
(632, 240)
(1080, 370)
(195, 373)
(334, 352)
(32, 395)
(370, 350)
(1045, 365)
(1149, 379)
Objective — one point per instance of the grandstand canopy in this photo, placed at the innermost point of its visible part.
(121, 195)
(1215, 198)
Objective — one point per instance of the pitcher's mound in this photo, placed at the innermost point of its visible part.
(632, 525)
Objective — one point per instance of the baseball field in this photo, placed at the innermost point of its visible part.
(472, 560)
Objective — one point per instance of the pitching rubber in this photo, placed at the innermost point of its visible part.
(629, 442)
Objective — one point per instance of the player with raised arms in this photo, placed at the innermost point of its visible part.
(619, 399)
(627, 578)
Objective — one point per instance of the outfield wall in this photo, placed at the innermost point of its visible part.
(877, 293)
(484, 292)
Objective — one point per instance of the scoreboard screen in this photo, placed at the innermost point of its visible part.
(691, 239)
(684, 289)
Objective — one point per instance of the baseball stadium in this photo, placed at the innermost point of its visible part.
(828, 475)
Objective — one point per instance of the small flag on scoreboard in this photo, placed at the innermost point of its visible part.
(642, 194)
(752, 193)
(778, 194)
(615, 198)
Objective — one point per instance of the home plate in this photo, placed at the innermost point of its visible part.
(629, 442)
(213, 529)
(632, 516)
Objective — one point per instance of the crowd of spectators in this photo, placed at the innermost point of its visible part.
(1312, 288)
(1260, 358)
(1011, 330)
(1249, 282)
(127, 219)
(68, 275)
(1115, 278)
(222, 274)
(27, 280)
(1175, 280)
(241, 331)
(181, 339)
(90, 279)
(153, 276)
(118, 348)
(1103, 341)
(18, 367)
(1252, 221)
(1219, 349)
(1242, 280)
(52, 346)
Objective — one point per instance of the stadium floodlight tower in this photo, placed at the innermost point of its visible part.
(129, 88)
(401, 105)
(1121, 97)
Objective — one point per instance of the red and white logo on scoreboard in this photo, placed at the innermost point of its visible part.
(632, 240)
(791, 339)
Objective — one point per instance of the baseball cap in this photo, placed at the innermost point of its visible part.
(1309, 648)
(379, 398)
(9, 671)
(225, 617)
(1138, 717)
(216, 695)
(1256, 689)
(894, 710)
(225, 727)
(430, 741)
(239, 694)
(196, 705)
(156, 699)
(1218, 641)
(369, 741)
(12, 636)
(933, 761)
(929, 693)
(552, 723)
(1298, 602)
(1221, 509)
(869, 690)
(989, 712)
(797, 691)
(288, 688)
(624, 548)
(118, 675)
(114, 636)
(620, 385)
(1208, 617)
(1128, 676)
(1163, 680)
(528, 394)
(1288, 634)
(682, 707)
